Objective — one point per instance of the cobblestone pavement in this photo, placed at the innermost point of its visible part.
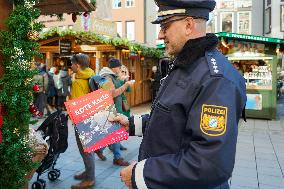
(259, 159)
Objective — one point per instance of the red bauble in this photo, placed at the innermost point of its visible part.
(33, 108)
(36, 88)
(39, 114)
(85, 14)
(74, 17)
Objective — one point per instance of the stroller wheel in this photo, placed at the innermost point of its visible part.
(52, 175)
(38, 185)
(42, 182)
(58, 172)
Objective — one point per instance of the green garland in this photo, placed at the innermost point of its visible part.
(92, 37)
(16, 93)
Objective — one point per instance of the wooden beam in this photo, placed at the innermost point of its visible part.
(53, 49)
(64, 6)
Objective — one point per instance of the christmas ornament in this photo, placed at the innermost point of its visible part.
(85, 14)
(32, 108)
(36, 88)
(33, 35)
(39, 114)
(16, 131)
(74, 17)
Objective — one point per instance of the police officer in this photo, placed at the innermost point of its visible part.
(190, 140)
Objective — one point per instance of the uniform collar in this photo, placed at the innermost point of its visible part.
(195, 48)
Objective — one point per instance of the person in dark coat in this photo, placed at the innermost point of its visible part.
(191, 136)
(51, 93)
(64, 91)
(155, 81)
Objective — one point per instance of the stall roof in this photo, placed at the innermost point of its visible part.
(64, 6)
(250, 37)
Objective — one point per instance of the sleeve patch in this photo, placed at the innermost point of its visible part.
(213, 120)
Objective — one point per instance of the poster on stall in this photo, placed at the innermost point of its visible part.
(90, 114)
(254, 102)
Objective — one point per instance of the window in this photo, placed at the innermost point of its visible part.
(116, 3)
(282, 18)
(119, 28)
(244, 22)
(267, 21)
(227, 21)
(130, 30)
(268, 2)
(129, 3)
(211, 23)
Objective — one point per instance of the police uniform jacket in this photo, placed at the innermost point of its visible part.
(190, 140)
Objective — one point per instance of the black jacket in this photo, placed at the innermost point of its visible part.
(190, 141)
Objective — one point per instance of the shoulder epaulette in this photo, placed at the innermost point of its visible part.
(214, 63)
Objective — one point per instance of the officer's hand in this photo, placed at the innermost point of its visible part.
(122, 119)
(126, 174)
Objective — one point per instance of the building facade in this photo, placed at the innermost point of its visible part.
(254, 17)
(133, 19)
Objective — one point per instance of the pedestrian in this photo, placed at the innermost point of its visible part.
(64, 91)
(155, 81)
(190, 140)
(40, 79)
(111, 73)
(51, 91)
(80, 87)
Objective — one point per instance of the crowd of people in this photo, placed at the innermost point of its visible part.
(58, 85)
(54, 88)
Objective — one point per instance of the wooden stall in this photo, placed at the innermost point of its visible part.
(58, 50)
(256, 58)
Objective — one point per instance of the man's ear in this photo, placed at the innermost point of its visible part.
(190, 24)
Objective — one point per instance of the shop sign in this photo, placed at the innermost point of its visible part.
(104, 27)
(65, 46)
(250, 37)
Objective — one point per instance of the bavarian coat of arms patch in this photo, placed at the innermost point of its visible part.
(213, 120)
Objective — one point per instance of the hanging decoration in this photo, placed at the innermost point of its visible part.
(74, 17)
(85, 14)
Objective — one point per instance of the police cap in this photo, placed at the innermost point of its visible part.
(193, 8)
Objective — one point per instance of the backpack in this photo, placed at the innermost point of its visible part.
(99, 82)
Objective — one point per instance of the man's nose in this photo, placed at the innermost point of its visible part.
(161, 35)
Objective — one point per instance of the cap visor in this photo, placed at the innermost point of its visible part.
(161, 19)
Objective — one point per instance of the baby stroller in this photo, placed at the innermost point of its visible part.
(55, 130)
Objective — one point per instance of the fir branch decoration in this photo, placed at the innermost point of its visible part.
(15, 94)
(91, 37)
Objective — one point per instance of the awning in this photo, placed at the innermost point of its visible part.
(49, 7)
(250, 37)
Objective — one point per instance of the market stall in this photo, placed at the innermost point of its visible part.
(257, 59)
(58, 46)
